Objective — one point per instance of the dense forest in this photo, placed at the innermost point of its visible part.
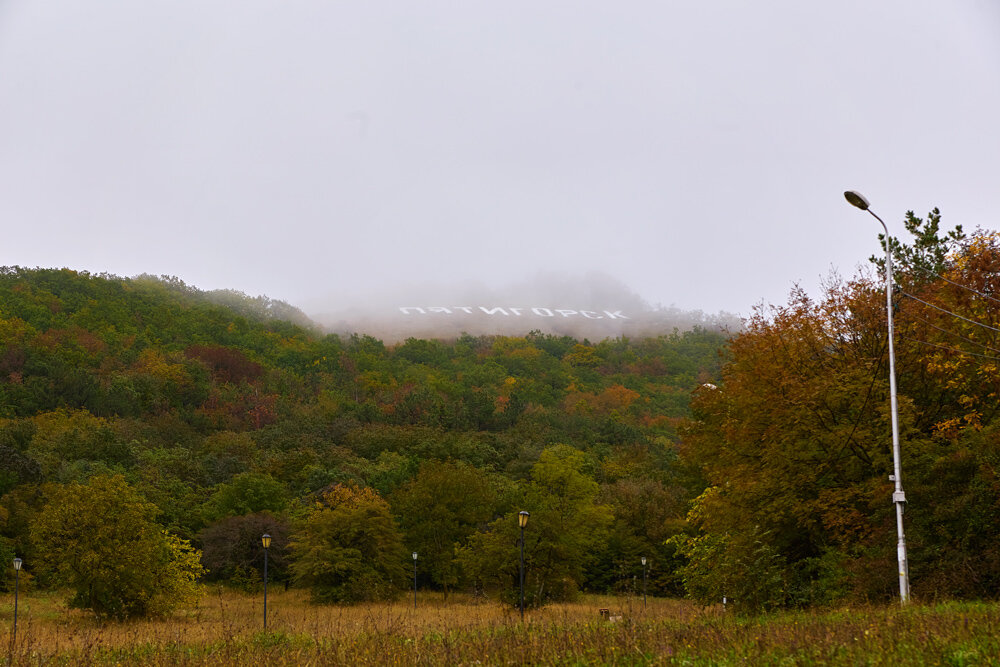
(147, 402)
(151, 433)
(795, 443)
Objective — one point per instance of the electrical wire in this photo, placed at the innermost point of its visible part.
(965, 287)
(950, 349)
(957, 335)
(943, 310)
(847, 443)
(878, 364)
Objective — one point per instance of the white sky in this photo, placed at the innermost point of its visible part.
(315, 150)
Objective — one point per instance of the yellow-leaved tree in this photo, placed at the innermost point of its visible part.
(99, 539)
(347, 548)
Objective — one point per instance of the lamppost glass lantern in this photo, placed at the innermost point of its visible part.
(265, 539)
(17, 564)
(522, 519)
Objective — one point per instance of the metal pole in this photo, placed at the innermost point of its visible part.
(265, 588)
(643, 585)
(17, 578)
(414, 583)
(522, 573)
(898, 497)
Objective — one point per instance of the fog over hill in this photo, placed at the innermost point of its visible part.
(593, 306)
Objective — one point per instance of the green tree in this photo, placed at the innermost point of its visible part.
(247, 493)
(16, 466)
(64, 436)
(347, 548)
(439, 509)
(232, 550)
(565, 530)
(646, 514)
(928, 252)
(100, 539)
(744, 566)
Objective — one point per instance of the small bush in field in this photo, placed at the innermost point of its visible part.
(247, 580)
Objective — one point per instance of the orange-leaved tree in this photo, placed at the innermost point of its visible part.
(795, 446)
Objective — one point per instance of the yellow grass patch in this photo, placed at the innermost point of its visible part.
(228, 625)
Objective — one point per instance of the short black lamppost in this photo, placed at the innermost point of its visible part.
(265, 539)
(414, 579)
(17, 577)
(522, 521)
(643, 559)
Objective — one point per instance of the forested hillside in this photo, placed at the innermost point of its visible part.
(220, 420)
(145, 417)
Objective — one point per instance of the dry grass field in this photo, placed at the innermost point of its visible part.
(227, 629)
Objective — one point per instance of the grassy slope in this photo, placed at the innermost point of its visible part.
(226, 630)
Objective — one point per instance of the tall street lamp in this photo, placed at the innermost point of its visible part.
(522, 521)
(17, 577)
(265, 540)
(643, 581)
(414, 579)
(898, 497)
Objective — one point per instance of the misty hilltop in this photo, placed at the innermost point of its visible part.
(593, 305)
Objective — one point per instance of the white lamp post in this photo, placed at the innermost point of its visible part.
(898, 497)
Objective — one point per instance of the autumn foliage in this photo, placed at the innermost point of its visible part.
(753, 467)
(794, 442)
(229, 415)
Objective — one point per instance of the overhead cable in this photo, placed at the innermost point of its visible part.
(950, 349)
(965, 287)
(944, 310)
(957, 335)
(860, 451)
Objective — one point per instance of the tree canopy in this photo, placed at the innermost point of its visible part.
(794, 442)
(753, 466)
(348, 548)
(100, 539)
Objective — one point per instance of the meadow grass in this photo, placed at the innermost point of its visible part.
(227, 629)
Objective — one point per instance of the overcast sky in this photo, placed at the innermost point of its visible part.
(314, 150)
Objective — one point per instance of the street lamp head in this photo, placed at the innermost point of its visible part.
(856, 199)
(414, 555)
(643, 560)
(265, 539)
(522, 518)
(17, 563)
